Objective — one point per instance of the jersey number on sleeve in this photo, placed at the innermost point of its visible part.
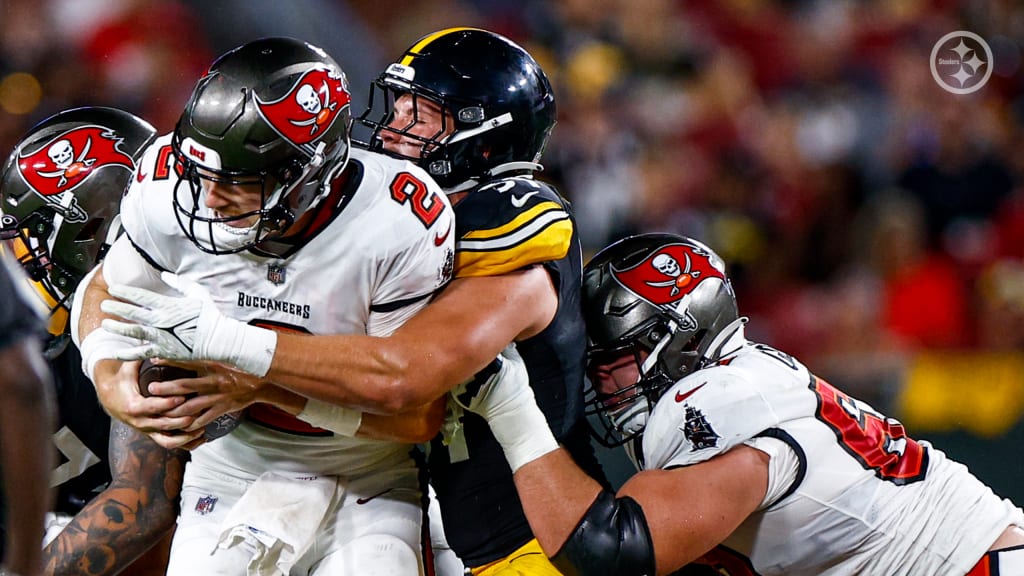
(877, 442)
(425, 203)
(164, 162)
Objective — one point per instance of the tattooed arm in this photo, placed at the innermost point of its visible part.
(127, 519)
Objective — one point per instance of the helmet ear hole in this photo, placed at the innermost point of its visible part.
(693, 344)
(88, 232)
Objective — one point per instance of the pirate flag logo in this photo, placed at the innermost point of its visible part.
(65, 162)
(309, 108)
(669, 275)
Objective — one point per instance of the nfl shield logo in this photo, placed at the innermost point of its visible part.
(275, 273)
(205, 505)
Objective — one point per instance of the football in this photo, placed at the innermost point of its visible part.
(150, 372)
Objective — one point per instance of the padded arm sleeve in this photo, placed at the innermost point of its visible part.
(612, 539)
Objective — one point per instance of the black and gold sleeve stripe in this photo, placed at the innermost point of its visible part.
(539, 234)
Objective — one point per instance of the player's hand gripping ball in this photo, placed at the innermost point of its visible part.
(150, 372)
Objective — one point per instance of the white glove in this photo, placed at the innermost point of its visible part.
(188, 327)
(506, 401)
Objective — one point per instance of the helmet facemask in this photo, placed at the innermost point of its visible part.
(662, 353)
(290, 181)
(30, 242)
(453, 149)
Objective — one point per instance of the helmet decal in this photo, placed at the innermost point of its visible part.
(422, 43)
(309, 108)
(66, 161)
(670, 273)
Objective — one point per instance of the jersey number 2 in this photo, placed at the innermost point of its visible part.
(877, 442)
(425, 203)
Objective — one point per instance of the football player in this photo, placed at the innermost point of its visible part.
(475, 111)
(256, 221)
(60, 191)
(749, 463)
(26, 417)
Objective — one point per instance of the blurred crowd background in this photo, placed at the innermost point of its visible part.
(874, 223)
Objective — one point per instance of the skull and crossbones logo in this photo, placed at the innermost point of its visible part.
(681, 276)
(62, 154)
(320, 108)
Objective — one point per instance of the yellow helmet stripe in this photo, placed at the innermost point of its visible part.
(415, 50)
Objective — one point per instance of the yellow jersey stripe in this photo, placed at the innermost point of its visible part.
(518, 222)
(513, 236)
(415, 50)
(549, 241)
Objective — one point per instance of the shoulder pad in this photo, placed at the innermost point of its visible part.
(509, 224)
(703, 415)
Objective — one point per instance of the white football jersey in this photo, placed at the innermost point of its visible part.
(368, 269)
(852, 494)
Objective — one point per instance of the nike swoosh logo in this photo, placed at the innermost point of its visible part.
(520, 201)
(680, 396)
(439, 239)
(139, 176)
(362, 501)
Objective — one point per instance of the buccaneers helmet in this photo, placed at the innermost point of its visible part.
(665, 300)
(273, 113)
(61, 193)
(495, 94)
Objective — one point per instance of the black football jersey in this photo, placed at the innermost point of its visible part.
(82, 436)
(502, 226)
(83, 428)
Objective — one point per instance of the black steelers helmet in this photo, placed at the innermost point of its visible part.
(666, 300)
(499, 99)
(275, 113)
(60, 195)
